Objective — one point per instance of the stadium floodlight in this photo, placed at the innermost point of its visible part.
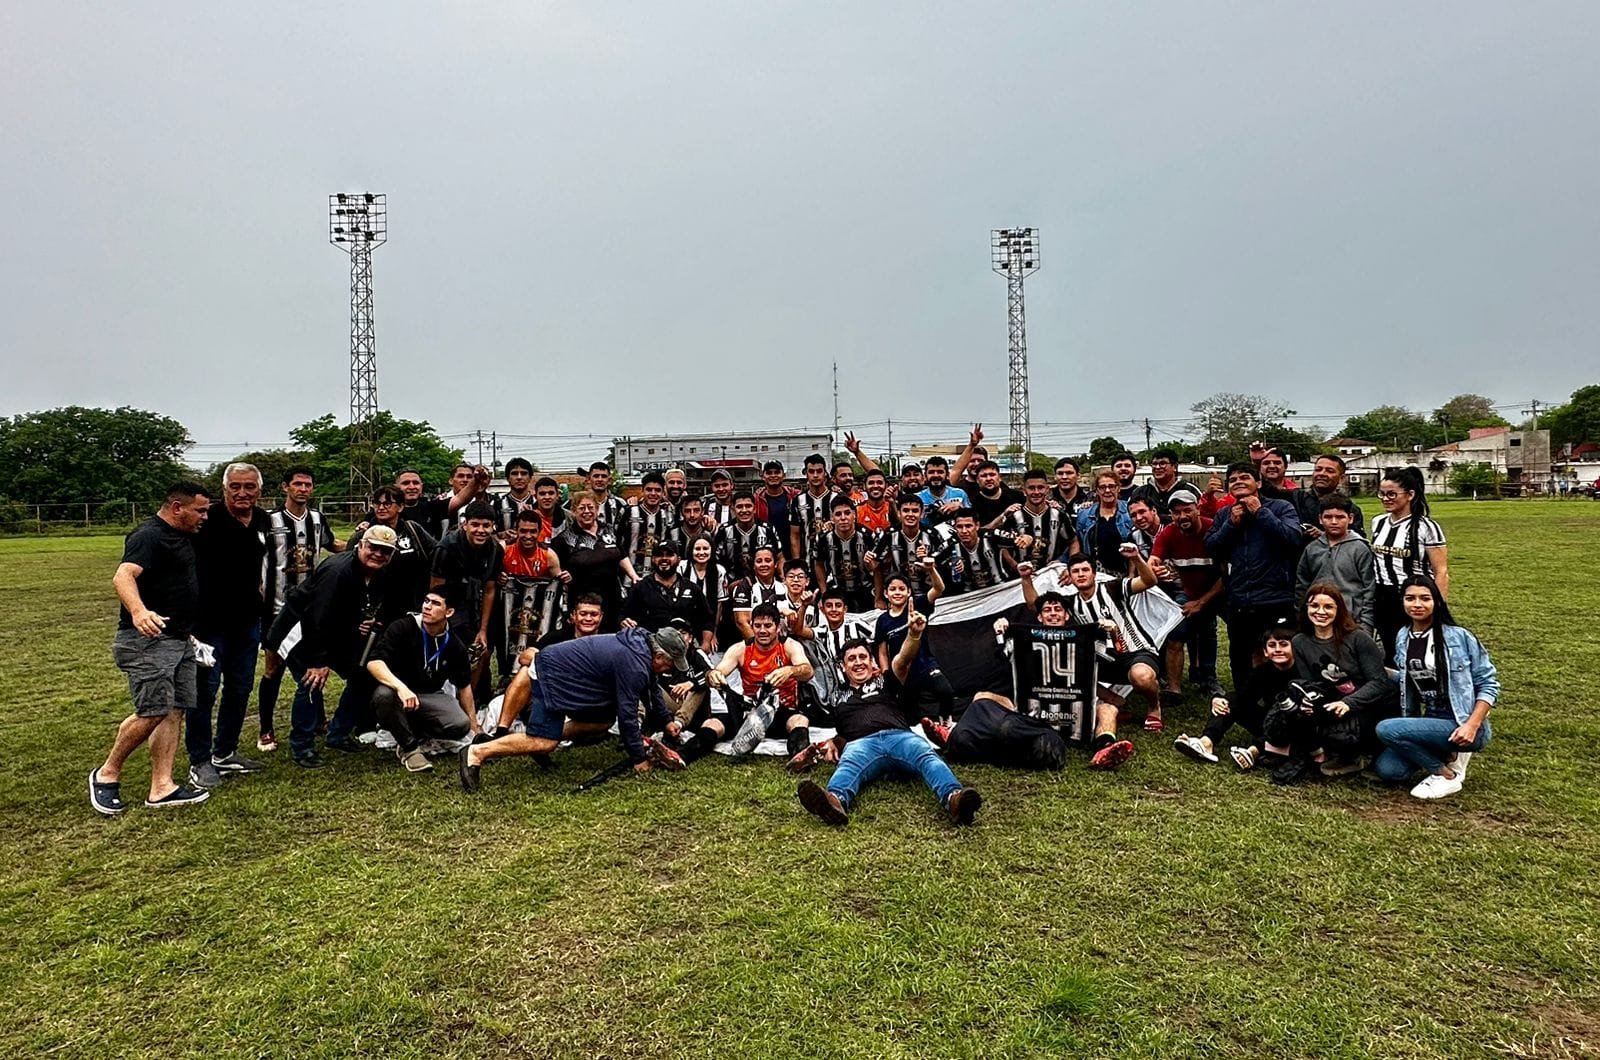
(358, 230)
(1014, 253)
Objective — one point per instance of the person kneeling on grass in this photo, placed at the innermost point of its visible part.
(1252, 698)
(582, 687)
(1447, 687)
(411, 662)
(875, 730)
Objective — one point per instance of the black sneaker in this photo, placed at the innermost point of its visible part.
(821, 803)
(205, 775)
(310, 761)
(106, 798)
(237, 763)
(963, 805)
(348, 745)
(182, 795)
(1295, 770)
(471, 775)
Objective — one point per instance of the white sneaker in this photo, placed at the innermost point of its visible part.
(1437, 786)
(1194, 748)
(1459, 764)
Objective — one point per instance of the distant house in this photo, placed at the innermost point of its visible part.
(1348, 447)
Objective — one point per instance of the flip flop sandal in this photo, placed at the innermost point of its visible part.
(1153, 723)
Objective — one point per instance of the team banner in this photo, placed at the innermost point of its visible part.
(961, 634)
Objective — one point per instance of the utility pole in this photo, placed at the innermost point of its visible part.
(358, 223)
(1014, 254)
(890, 453)
(835, 410)
(1533, 407)
(494, 451)
(1147, 437)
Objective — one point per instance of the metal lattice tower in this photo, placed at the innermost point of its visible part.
(358, 223)
(1015, 253)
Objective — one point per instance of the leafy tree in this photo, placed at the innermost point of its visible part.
(1104, 450)
(83, 454)
(1469, 480)
(1227, 423)
(1465, 412)
(1393, 427)
(401, 444)
(1577, 421)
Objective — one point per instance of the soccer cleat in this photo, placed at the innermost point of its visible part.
(663, 757)
(807, 757)
(1112, 755)
(937, 731)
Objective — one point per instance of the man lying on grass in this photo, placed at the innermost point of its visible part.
(875, 729)
(581, 686)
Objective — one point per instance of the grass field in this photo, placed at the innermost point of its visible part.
(1169, 910)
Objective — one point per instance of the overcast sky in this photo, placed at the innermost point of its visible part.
(644, 217)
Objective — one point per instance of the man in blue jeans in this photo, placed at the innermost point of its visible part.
(875, 730)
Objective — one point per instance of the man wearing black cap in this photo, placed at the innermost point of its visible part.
(719, 506)
(663, 598)
(585, 685)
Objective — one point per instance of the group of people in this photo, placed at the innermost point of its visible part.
(511, 623)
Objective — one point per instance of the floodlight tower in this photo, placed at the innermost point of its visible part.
(358, 223)
(1015, 254)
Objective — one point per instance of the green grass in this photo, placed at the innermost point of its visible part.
(1168, 910)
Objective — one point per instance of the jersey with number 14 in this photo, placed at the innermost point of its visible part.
(1053, 670)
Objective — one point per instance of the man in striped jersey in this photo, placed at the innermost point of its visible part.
(519, 476)
(297, 536)
(902, 549)
(1044, 529)
(719, 506)
(979, 559)
(649, 520)
(1068, 491)
(811, 510)
(736, 542)
(762, 587)
(611, 509)
(1128, 655)
(841, 556)
(693, 523)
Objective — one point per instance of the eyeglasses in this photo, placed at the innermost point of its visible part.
(1388, 495)
(386, 504)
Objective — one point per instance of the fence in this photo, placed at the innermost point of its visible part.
(78, 517)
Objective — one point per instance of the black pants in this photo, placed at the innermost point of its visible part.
(1245, 626)
(1246, 715)
(438, 717)
(990, 733)
(930, 690)
(1390, 618)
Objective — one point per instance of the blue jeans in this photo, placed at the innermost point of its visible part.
(892, 750)
(1410, 744)
(235, 673)
(354, 714)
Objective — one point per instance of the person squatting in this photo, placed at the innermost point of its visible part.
(883, 626)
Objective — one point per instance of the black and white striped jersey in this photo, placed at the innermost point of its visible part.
(813, 515)
(897, 553)
(747, 594)
(507, 508)
(1395, 554)
(1052, 531)
(979, 567)
(293, 548)
(843, 559)
(719, 512)
(644, 529)
(735, 548)
(1110, 601)
(613, 513)
(531, 609)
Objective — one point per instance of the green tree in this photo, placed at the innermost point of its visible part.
(1393, 427)
(1470, 480)
(84, 454)
(1104, 450)
(401, 444)
(1577, 421)
(1466, 412)
(1227, 423)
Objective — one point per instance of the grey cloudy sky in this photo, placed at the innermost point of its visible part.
(632, 217)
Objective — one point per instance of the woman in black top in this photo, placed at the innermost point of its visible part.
(593, 560)
(1337, 652)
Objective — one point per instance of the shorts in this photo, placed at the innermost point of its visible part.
(1115, 670)
(161, 672)
(538, 719)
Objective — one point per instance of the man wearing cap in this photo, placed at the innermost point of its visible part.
(664, 598)
(1181, 548)
(329, 624)
(582, 687)
(719, 506)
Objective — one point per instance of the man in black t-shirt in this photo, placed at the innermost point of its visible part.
(874, 729)
(230, 553)
(159, 590)
(413, 659)
(434, 513)
(467, 567)
(992, 497)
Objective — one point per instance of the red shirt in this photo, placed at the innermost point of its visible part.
(520, 564)
(1186, 554)
(875, 519)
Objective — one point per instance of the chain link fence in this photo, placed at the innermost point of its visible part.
(120, 516)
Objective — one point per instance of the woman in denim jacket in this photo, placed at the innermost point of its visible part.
(1447, 687)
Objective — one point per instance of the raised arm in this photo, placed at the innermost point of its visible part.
(916, 624)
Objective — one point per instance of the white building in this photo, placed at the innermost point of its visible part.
(699, 455)
(1522, 459)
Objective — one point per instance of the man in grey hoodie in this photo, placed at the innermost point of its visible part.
(1340, 557)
